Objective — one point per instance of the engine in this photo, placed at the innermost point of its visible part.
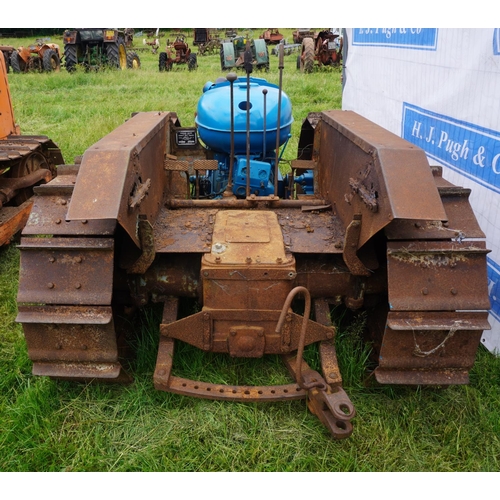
(244, 120)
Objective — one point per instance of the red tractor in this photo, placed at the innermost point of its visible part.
(325, 47)
(177, 53)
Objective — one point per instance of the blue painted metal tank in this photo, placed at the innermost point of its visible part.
(214, 116)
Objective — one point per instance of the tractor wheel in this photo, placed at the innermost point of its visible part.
(117, 54)
(162, 61)
(70, 57)
(307, 58)
(298, 62)
(222, 59)
(133, 61)
(18, 65)
(51, 61)
(7, 62)
(192, 62)
(31, 163)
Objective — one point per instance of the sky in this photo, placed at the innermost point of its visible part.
(256, 14)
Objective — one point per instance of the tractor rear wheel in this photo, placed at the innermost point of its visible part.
(18, 65)
(307, 58)
(192, 62)
(162, 61)
(51, 61)
(70, 57)
(117, 54)
(133, 61)
(7, 62)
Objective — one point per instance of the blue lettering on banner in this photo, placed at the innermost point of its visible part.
(494, 287)
(496, 41)
(464, 147)
(407, 38)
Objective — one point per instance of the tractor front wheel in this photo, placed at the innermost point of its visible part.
(133, 61)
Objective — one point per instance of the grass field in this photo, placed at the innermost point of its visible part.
(48, 425)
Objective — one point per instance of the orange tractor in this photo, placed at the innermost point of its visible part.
(25, 161)
(40, 56)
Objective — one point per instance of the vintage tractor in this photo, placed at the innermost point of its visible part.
(95, 49)
(25, 161)
(41, 56)
(272, 36)
(207, 42)
(325, 48)
(159, 212)
(232, 53)
(177, 52)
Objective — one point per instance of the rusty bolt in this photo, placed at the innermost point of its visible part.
(79, 260)
(78, 286)
(425, 291)
(84, 347)
(58, 221)
(279, 260)
(51, 259)
(233, 333)
(205, 273)
(63, 202)
(329, 335)
(453, 291)
(217, 259)
(50, 285)
(248, 260)
(161, 372)
(418, 225)
(332, 375)
(84, 221)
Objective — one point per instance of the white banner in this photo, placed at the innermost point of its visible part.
(439, 89)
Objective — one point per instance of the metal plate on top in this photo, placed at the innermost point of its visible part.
(311, 232)
(184, 230)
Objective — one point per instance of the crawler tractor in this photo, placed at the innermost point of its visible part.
(25, 160)
(160, 212)
(95, 49)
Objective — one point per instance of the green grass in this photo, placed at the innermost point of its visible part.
(48, 425)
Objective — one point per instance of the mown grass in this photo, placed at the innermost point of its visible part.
(48, 425)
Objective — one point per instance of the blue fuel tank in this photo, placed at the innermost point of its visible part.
(214, 116)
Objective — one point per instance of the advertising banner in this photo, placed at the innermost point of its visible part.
(439, 89)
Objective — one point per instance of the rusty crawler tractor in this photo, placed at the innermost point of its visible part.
(171, 221)
(41, 56)
(177, 53)
(95, 49)
(232, 53)
(25, 161)
(325, 48)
